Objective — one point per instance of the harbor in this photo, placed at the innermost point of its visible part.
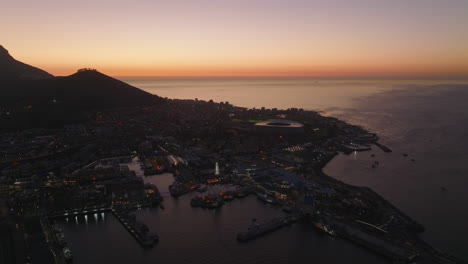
(181, 229)
(281, 172)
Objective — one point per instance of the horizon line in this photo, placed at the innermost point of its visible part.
(402, 77)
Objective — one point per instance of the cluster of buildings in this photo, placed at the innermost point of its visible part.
(277, 155)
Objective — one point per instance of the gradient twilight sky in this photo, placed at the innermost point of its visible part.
(240, 37)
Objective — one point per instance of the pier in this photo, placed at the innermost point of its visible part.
(256, 230)
(374, 243)
(384, 148)
(143, 238)
(56, 247)
(77, 212)
(134, 228)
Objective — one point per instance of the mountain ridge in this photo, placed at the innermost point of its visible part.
(10, 68)
(61, 97)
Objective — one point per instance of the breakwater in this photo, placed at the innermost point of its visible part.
(256, 230)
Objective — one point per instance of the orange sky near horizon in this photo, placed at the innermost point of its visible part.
(241, 38)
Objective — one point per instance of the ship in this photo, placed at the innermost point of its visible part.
(214, 204)
(325, 228)
(256, 230)
(264, 197)
(209, 202)
(228, 197)
(138, 230)
(177, 189)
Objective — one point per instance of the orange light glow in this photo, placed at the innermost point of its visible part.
(240, 38)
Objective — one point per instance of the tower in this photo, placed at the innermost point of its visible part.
(217, 169)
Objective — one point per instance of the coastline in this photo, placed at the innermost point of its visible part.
(335, 138)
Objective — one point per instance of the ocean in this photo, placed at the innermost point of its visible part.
(427, 120)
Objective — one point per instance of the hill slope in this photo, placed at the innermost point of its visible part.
(24, 88)
(22, 85)
(94, 90)
(13, 69)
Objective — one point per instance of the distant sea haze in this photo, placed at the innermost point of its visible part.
(307, 93)
(425, 119)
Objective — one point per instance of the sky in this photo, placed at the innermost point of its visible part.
(328, 38)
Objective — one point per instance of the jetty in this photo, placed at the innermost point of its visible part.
(384, 148)
(374, 243)
(137, 230)
(255, 230)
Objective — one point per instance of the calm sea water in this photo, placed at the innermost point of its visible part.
(426, 121)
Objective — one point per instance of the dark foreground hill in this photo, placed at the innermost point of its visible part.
(27, 101)
(13, 69)
(84, 90)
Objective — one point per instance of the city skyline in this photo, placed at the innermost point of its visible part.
(241, 38)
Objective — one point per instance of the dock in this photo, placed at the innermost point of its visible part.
(144, 239)
(255, 230)
(384, 148)
(76, 212)
(375, 243)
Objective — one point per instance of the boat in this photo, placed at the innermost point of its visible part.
(264, 197)
(256, 230)
(209, 202)
(228, 198)
(214, 204)
(325, 228)
(177, 189)
(356, 147)
(241, 193)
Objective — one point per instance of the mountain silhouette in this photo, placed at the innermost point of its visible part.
(13, 69)
(57, 100)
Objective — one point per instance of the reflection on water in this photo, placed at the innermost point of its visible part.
(96, 218)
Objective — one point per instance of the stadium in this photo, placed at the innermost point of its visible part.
(279, 127)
